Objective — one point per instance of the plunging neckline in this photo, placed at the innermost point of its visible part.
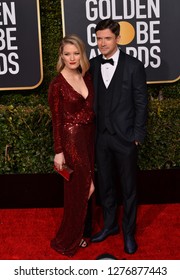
(74, 88)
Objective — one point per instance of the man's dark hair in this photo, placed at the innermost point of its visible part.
(108, 24)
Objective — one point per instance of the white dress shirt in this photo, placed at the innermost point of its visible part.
(107, 69)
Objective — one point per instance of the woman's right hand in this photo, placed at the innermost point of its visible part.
(59, 160)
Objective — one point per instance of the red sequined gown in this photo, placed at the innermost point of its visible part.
(73, 132)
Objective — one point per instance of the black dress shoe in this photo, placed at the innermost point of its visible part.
(130, 245)
(104, 233)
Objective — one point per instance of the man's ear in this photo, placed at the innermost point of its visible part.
(118, 39)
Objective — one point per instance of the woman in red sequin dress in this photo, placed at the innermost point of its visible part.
(70, 99)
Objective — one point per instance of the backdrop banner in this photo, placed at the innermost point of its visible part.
(149, 31)
(20, 45)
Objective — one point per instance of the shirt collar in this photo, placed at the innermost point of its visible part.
(115, 56)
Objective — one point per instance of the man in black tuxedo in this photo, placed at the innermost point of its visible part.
(121, 112)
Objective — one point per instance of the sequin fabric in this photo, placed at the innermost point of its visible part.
(73, 133)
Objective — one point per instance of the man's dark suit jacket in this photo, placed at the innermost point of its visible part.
(128, 110)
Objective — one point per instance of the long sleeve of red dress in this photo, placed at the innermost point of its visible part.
(73, 132)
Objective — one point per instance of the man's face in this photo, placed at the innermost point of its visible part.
(107, 42)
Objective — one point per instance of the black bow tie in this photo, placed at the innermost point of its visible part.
(111, 61)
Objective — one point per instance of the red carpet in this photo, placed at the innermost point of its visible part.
(25, 234)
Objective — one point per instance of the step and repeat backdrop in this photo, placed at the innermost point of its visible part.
(20, 45)
(149, 31)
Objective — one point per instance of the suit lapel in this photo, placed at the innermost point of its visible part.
(97, 72)
(117, 81)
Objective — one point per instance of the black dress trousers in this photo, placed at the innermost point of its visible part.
(116, 155)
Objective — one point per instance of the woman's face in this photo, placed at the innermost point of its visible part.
(71, 56)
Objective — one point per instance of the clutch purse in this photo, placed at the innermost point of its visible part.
(66, 171)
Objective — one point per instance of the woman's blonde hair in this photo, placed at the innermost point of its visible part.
(78, 43)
